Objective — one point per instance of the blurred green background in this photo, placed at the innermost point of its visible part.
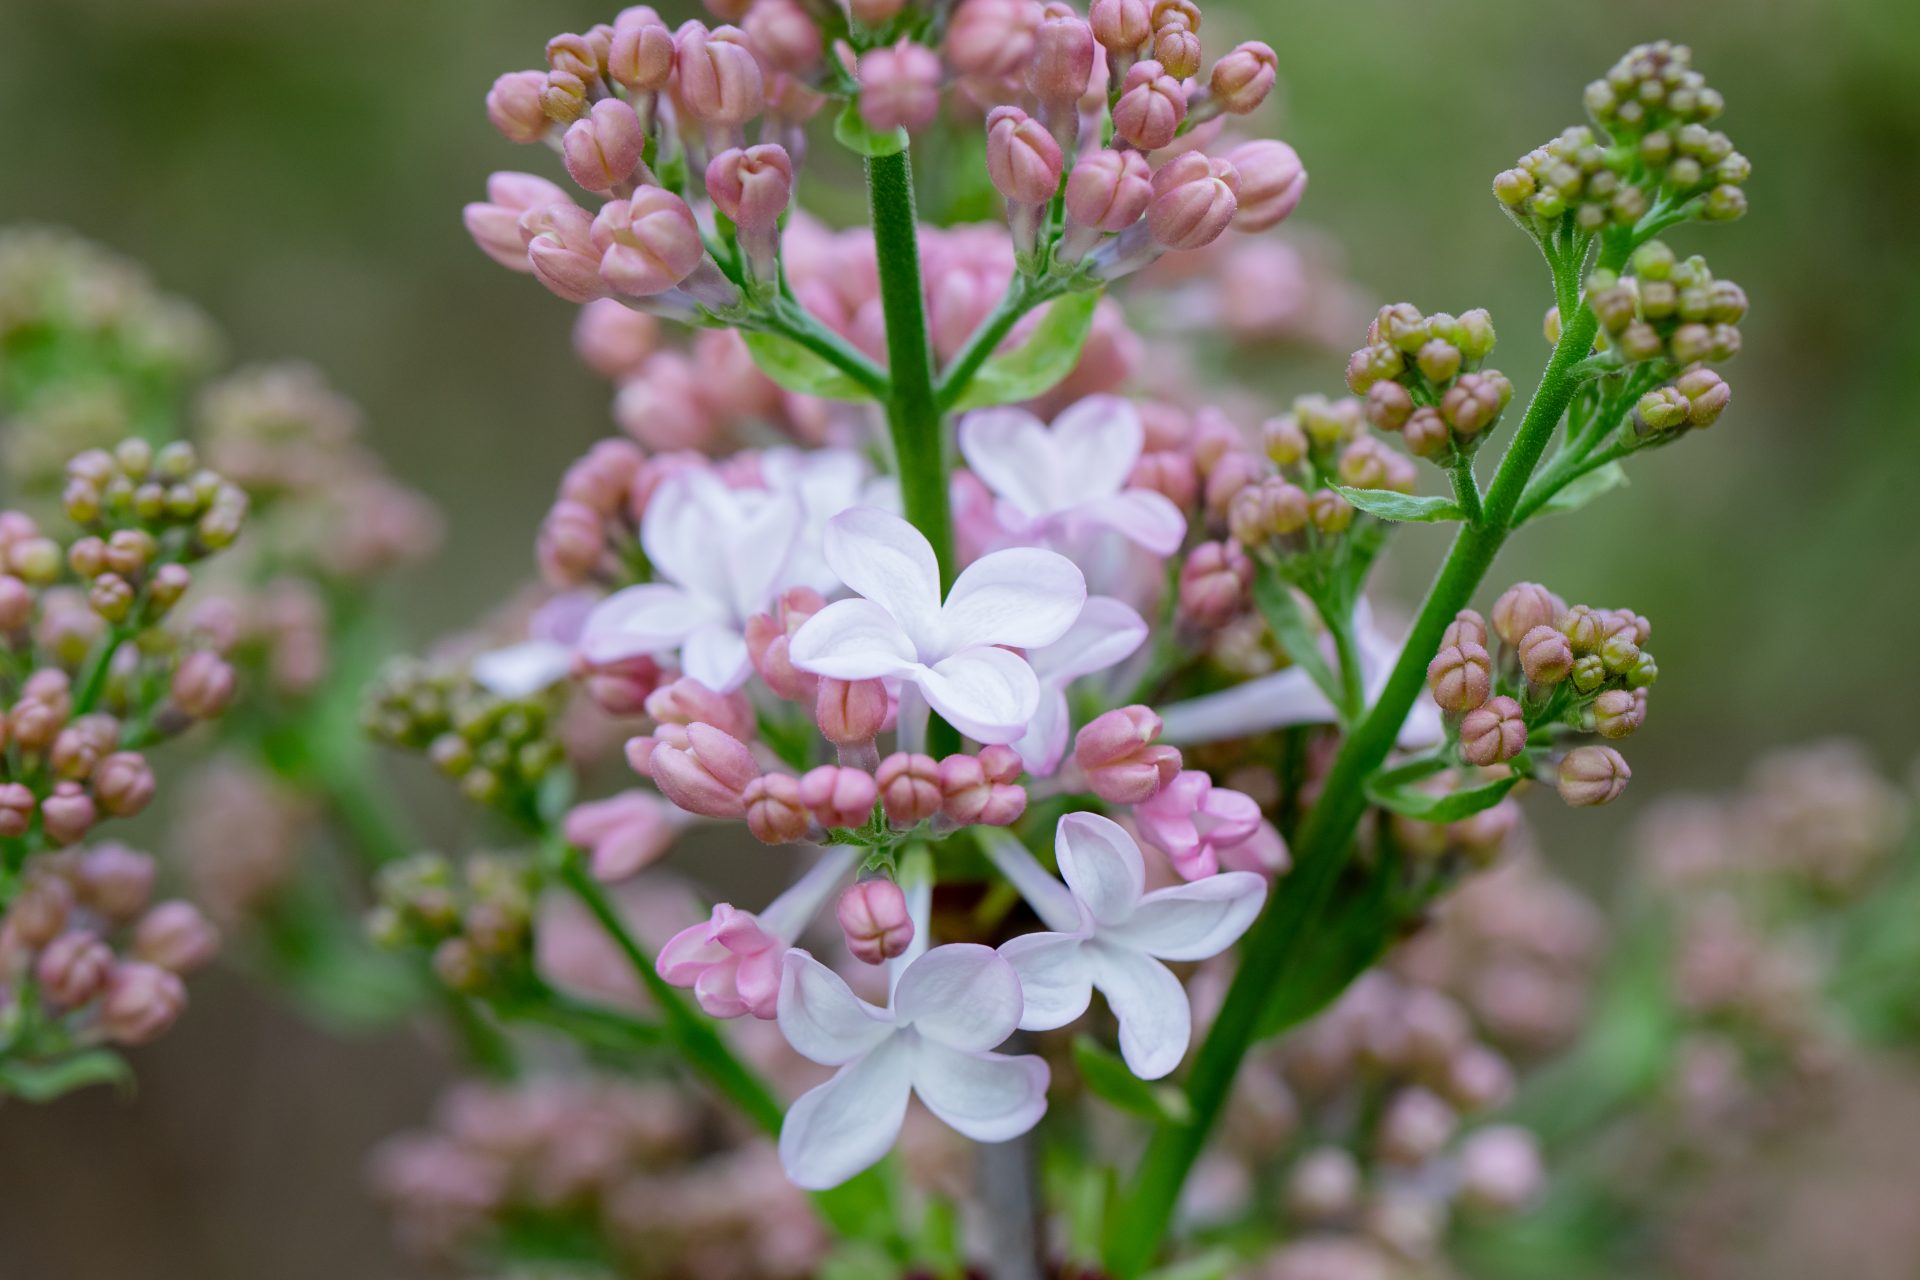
(298, 167)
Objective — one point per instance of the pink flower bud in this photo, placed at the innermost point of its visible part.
(1121, 26)
(874, 13)
(1242, 80)
(992, 39)
(1592, 775)
(175, 935)
(850, 712)
(709, 776)
(648, 244)
(571, 542)
(1193, 201)
(561, 250)
(1467, 627)
(1546, 655)
(787, 38)
(1523, 607)
(639, 751)
(513, 105)
(622, 834)
(1023, 160)
(16, 597)
(1460, 676)
(602, 478)
(720, 80)
(909, 788)
(613, 339)
(203, 684)
(68, 814)
(602, 148)
(1272, 183)
(1123, 763)
(123, 784)
(1150, 107)
(494, 223)
(73, 968)
(142, 1000)
(899, 87)
(839, 797)
(768, 638)
(1001, 763)
(16, 809)
(40, 912)
(687, 701)
(115, 881)
(969, 793)
(1618, 712)
(752, 186)
(576, 55)
(1109, 190)
(873, 914)
(774, 812)
(622, 688)
(1214, 582)
(1062, 63)
(640, 57)
(1493, 732)
(1167, 472)
(1177, 48)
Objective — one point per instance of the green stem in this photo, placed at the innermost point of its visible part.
(797, 326)
(1325, 838)
(1466, 490)
(1022, 296)
(1353, 693)
(913, 408)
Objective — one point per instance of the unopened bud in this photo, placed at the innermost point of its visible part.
(720, 81)
(1243, 78)
(1618, 712)
(175, 935)
(1546, 655)
(123, 784)
(899, 87)
(909, 787)
(1521, 608)
(1123, 761)
(1023, 160)
(839, 797)
(513, 105)
(850, 712)
(1150, 107)
(709, 776)
(1592, 776)
(647, 244)
(873, 915)
(142, 1000)
(1194, 200)
(1460, 676)
(73, 968)
(602, 148)
(775, 814)
(203, 684)
(1493, 732)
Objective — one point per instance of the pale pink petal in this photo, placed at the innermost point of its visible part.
(689, 953)
(651, 618)
(678, 533)
(1101, 864)
(1106, 633)
(1013, 455)
(822, 1018)
(847, 1124)
(716, 656)
(1025, 597)
(988, 694)
(1270, 702)
(524, 669)
(882, 557)
(1096, 441)
(1156, 1022)
(1193, 921)
(1056, 983)
(1045, 741)
(989, 1097)
(852, 640)
(717, 989)
(1052, 901)
(760, 544)
(1142, 516)
(962, 995)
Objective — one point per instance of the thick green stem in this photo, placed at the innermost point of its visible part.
(1326, 837)
(913, 408)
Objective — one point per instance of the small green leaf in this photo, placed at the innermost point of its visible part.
(1107, 1077)
(1579, 492)
(1036, 365)
(851, 132)
(1425, 806)
(797, 369)
(45, 1081)
(1278, 605)
(1385, 504)
(1214, 1264)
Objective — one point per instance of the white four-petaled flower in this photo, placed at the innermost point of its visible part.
(1065, 480)
(1106, 633)
(950, 1007)
(951, 651)
(1106, 932)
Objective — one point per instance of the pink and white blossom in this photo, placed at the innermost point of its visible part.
(1201, 828)
(951, 1006)
(545, 657)
(1106, 633)
(1107, 932)
(951, 650)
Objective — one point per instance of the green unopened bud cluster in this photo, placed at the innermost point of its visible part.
(1652, 149)
(1665, 308)
(185, 509)
(1424, 377)
(475, 920)
(498, 749)
(1294, 508)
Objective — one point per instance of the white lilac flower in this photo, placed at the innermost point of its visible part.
(1106, 633)
(546, 656)
(1106, 932)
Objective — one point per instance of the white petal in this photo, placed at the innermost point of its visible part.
(989, 1097)
(1106, 633)
(1193, 921)
(1013, 455)
(962, 995)
(847, 1124)
(822, 1018)
(1101, 864)
(1052, 901)
(652, 618)
(716, 656)
(1045, 741)
(1056, 982)
(520, 670)
(1097, 441)
(1143, 516)
(760, 545)
(679, 530)
(1023, 596)
(563, 618)
(1270, 702)
(1156, 1023)
(988, 694)
(852, 640)
(882, 557)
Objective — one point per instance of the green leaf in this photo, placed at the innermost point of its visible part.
(1579, 492)
(1385, 504)
(851, 132)
(1425, 806)
(1036, 365)
(797, 369)
(1281, 608)
(1109, 1078)
(1214, 1264)
(45, 1081)
(1350, 936)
